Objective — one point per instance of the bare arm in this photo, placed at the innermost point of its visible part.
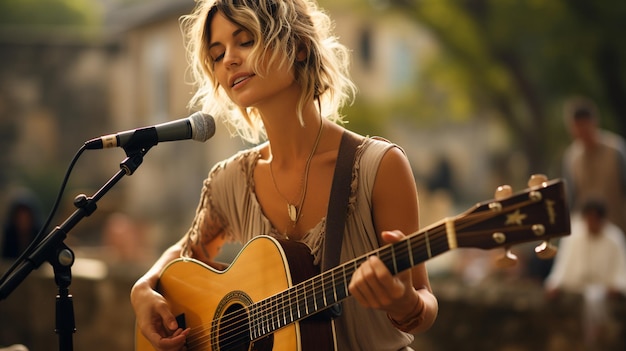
(154, 317)
(408, 295)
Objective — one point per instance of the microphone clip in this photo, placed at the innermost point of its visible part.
(138, 145)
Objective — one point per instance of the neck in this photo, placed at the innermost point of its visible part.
(289, 140)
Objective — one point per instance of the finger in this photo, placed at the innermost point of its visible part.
(392, 236)
(174, 342)
(359, 288)
(167, 318)
(384, 285)
(366, 285)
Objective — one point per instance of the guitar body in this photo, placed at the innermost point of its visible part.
(213, 303)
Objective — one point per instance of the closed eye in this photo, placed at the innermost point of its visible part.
(220, 57)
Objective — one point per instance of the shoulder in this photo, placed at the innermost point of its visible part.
(615, 234)
(241, 162)
(613, 140)
(572, 151)
(375, 148)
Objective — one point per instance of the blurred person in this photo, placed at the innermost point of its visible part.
(275, 71)
(591, 262)
(594, 164)
(23, 222)
(124, 239)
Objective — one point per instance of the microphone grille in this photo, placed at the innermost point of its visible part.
(202, 126)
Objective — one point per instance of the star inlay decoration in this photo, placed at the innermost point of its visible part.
(515, 218)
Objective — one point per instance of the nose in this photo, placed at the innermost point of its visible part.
(232, 58)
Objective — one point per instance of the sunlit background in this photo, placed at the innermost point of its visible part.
(473, 90)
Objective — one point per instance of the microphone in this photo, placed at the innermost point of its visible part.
(199, 126)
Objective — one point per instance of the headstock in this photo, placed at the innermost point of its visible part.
(539, 213)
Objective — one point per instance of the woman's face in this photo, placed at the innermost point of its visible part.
(230, 46)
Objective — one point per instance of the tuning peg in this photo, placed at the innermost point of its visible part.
(503, 191)
(537, 180)
(507, 260)
(545, 250)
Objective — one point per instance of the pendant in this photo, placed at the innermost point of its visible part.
(293, 212)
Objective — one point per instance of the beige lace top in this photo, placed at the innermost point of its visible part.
(228, 196)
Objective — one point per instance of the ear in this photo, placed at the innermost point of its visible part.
(303, 52)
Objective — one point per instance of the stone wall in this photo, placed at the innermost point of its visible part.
(496, 315)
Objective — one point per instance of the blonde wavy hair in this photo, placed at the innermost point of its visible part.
(280, 29)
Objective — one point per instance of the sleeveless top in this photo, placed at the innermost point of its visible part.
(228, 197)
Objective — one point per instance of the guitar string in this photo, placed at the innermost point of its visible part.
(323, 277)
(235, 334)
(263, 310)
(435, 238)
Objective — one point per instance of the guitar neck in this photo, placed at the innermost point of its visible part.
(330, 287)
(539, 213)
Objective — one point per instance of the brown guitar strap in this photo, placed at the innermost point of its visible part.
(338, 205)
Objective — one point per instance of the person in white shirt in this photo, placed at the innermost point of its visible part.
(591, 262)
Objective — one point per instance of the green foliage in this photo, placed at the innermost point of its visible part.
(48, 13)
(519, 60)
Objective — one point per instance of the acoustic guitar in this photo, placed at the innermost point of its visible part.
(271, 296)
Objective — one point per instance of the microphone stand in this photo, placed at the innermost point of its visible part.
(53, 249)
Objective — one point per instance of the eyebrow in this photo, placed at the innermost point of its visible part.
(235, 33)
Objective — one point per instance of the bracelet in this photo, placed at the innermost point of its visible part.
(414, 319)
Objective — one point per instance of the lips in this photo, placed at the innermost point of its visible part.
(240, 78)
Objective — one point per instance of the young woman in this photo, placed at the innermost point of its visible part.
(272, 69)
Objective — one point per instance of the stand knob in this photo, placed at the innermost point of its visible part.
(545, 250)
(507, 260)
(503, 191)
(537, 180)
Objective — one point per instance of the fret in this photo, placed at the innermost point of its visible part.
(427, 241)
(253, 324)
(319, 296)
(334, 285)
(330, 296)
(345, 281)
(402, 257)
(280, 309)
(287, 313)
(263, 317)
(393, 259)
(266, 319)
(324, 301)
(308, 298)
(257, 324)
(285, 302)
(412, 262)
(273, 313)
(313, 297)
(267, 308)
(451, 233)
(299, 313)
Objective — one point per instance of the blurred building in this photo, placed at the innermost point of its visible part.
(58, 90)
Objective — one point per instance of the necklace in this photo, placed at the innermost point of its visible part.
(295, 211)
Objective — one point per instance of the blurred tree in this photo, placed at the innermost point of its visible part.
(48, 13)
(521, 59)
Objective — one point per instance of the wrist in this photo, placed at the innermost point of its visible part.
(411, 320)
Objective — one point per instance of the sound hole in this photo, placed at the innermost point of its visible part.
(234, 332)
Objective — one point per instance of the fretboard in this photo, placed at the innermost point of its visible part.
(330, 287)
